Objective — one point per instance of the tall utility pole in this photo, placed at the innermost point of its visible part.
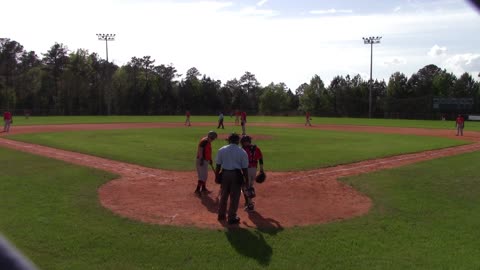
(106, 38)
(371, 41)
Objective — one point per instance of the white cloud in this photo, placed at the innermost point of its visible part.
(460, 63)
(397, 9)
(223, 41)
(262, 2)
(395, 61)
(436, 51)
(330, 11)
(253, 11)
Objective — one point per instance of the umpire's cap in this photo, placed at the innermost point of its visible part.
(233, 138)
(212, 135)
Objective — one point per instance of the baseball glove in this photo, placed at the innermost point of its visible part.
(260, 177)
(250, 192)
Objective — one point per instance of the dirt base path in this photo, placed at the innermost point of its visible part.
(284, 200)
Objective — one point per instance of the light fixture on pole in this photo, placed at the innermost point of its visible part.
(106, 38)
(371, 41)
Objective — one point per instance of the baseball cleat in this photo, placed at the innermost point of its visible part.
(205, 190)
(250, 208)
(235, 220)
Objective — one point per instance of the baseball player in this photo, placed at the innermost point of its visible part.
(243, 122)
(307, 119)
(255, 157)
(8, 120)
(204, 158)
(220, 121)
(460, 124)
(187, 120)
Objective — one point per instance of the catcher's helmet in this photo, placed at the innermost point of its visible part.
(233, 138)
(260, 178)
(246, 138)
(212, 135)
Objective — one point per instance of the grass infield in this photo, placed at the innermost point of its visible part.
(425, 216)
(435, 124)
(288, 149)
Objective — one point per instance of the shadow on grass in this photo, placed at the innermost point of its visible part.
(265, 225)
(247, 242)
(250, 244)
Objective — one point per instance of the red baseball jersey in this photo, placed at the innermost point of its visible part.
(307, 115)
(207, 149)
(244, 116)
(254, 155)
(7, 116)
(187, 113)
(460, 120)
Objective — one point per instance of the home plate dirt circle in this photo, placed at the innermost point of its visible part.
(280, 202)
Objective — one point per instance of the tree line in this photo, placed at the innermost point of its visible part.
(63, 82)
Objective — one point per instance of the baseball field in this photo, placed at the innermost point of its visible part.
(117, 193)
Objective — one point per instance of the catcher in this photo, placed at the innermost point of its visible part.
(255, 157)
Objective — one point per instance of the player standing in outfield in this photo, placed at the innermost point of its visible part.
(220, 121)
(460, 124)
(233, 162)
(187, 120)
(204, 158)
(307, 119)
(8, 120)
(243, 122)
(255, 157)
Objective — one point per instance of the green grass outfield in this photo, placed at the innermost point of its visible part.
(425, 216)
(289, 149)
(43, 120)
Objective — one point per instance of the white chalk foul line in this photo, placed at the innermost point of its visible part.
(390, 160)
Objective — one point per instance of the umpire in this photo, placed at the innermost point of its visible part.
(232, 161)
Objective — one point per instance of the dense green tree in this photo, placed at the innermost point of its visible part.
(80, 82)
(465, 86)
(55, 62)
(443, 83)
(274, 99)
(315, 98)
(10, 54)
(250, 86)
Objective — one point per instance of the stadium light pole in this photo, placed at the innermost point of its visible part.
(106, 38)
(371, 41)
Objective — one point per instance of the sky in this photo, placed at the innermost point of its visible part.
(277, 40)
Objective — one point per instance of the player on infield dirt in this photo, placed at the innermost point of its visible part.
(220, 121)
(204, 159)
(243, 122)
(255, 157)
(187, 119)
(307, 119)
(460, 124)
(8, 120)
